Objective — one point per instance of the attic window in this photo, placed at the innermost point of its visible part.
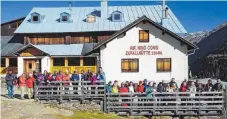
(90, 18)
(117, 16)
(64, 18)
(35, 18)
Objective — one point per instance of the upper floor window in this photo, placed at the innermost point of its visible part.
(143, 35)
(64, 17)
(90, 18)
(117, 16)
(35, 17)
(130, 65)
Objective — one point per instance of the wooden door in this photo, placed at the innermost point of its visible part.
(29, 66)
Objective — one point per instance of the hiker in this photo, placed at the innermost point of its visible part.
(115, 87)
(54, 75)
(209, 85)
(101, 76)
(65, 79)
(10, 79)
(149, 90)
(93, 82)
(131, 87)
(217, 86)
(145, 84)
(140, 87)
(123, 89)
(109, 87)
(75, 77)
(173, 84)
(22, 85)
(29, 83)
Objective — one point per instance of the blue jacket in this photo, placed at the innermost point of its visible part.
(75, 77)
(108, 88)
(101, 76)
(10, 79)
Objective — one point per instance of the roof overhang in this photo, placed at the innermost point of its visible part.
(29, 46)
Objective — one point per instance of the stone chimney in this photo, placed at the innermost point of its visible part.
(104, 9)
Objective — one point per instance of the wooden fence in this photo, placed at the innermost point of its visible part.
(174, 103)
(62, 91)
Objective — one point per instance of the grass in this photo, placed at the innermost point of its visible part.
(90, 115)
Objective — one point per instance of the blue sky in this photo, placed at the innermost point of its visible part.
(195, 16)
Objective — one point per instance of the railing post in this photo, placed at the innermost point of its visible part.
(82, 90)
(105, 102)
(155, 103)
(225, 101)
(35, 91)
(131, 100)
(61, 92)
(199, 104)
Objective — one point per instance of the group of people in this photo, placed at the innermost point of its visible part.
(27, 82)
(149, 87)
(31, 79)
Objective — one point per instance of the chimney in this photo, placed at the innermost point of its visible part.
(104, 9)
(165, 20)
(70, 5)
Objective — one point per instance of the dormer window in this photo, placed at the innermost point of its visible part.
(117, 16)
(91, 18)
(64, 17)
(35, 17)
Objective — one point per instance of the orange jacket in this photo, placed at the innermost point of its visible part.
(30, 82)
(66, 78)
(59, 77)
(22, 81)
(140, 88)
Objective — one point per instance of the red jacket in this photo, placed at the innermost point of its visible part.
(59, 77)
(66, 78)
(30, 82)
(22, 81)
(123, 90)
(140, 88)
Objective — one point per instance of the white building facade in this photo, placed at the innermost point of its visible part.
(144, 51)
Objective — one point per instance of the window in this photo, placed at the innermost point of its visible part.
(12, 62)
(117, 16)
(144, 36)
(35, 18)
(64, 18)
(90, 18)
(3, 62)
(74, 61)
(89, 61)
(130, 65)
(85, 40)
(58, 61)
(163, 64)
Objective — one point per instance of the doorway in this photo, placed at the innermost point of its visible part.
(31, 65)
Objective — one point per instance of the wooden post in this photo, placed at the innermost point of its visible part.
(82, 90)
(35, 91)
(61, 92)
(131, 103)
(225, 101)
(155, 103)
(199, 104)
(105, 102)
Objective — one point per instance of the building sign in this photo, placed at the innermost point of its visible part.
(144, 50)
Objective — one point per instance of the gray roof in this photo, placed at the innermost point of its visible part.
(62, 49)
(8, 46)
(51, 24)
